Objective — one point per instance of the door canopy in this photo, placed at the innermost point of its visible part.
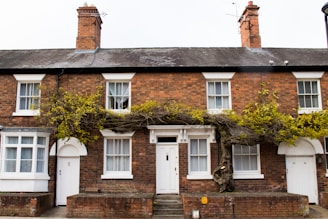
(302, 147)
(69, 147)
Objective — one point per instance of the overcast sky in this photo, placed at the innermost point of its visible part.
(42, 24)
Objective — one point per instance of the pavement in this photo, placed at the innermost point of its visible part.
(316, 212)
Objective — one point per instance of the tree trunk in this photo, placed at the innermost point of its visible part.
(223, 173)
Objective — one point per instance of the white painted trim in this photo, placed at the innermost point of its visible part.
(308, 75)
(119, 175)
(111, 134)
(81, 150)
(181, 132)
(199, 176)
(29, 77)
(118, 76)
(237, 175)
(303, 146)
(218, 75)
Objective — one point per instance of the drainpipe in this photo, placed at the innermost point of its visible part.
(56, 144)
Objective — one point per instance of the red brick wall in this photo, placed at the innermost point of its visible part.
(247, 205)
(25, 204)
(188, 88)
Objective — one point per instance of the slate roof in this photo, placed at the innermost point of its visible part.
(162, 59)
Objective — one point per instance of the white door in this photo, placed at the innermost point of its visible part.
(302, 176)
(68, 178)
(167, 168)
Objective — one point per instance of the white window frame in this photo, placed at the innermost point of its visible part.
(118, 78)
(200, 174)
(29, 79)
(218, 77)
(309, 76)
(24, 175)
(108, 134)
(248, 174)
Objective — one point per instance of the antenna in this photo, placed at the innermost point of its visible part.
(102, 14)
(235, 15)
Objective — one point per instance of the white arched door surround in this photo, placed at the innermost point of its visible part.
(68, 167)
(301, 167)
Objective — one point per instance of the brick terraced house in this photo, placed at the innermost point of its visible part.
(124, 174)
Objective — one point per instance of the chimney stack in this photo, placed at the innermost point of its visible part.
(249, 27)
(89, 28)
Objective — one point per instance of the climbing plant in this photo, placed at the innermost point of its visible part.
(74, 115)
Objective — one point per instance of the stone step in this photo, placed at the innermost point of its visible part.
(168, 206)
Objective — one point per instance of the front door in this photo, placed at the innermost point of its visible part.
(167, 168)
(68, 178)
(302, 176)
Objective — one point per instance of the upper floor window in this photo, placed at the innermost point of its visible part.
(118, 91)
(118, 95)
(309, 94)
(246, 161)
(308, 91)
(24, 153)
(218, 95)
(28, 95)
(218, 91)
(117, 155)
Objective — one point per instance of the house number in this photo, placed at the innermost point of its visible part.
(167, 157)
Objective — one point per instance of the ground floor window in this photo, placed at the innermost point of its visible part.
(24, 160)
(246, 161)
(117, 155)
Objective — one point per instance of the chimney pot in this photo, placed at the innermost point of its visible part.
(250, 3)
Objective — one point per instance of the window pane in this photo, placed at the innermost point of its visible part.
(11, 140)
(253, 149)
(211, 88)
(27, 140)
(10, 166)
(300, 87)
(225, 102)
(218, 102)
(11, 153)
(202, 146)
(308, 101)
(225, 88)
(202, 163)
(307, 87)
(26, 153)
(40, 160)
(315, 101)
(41, 141)
(301, 101)
(193, 146)
(314, 87)
(237, 149)
(23, 88)
(10, 160)
(211, 102)
(193, 163)
(218, 88)
(237, 165)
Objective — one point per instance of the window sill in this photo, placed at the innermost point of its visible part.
(117, 176)
(308, 110)
(248, 176)
(326, 174)
(27, 113)
(216, 111)
(195, 177)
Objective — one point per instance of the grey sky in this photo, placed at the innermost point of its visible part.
(36, 24)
